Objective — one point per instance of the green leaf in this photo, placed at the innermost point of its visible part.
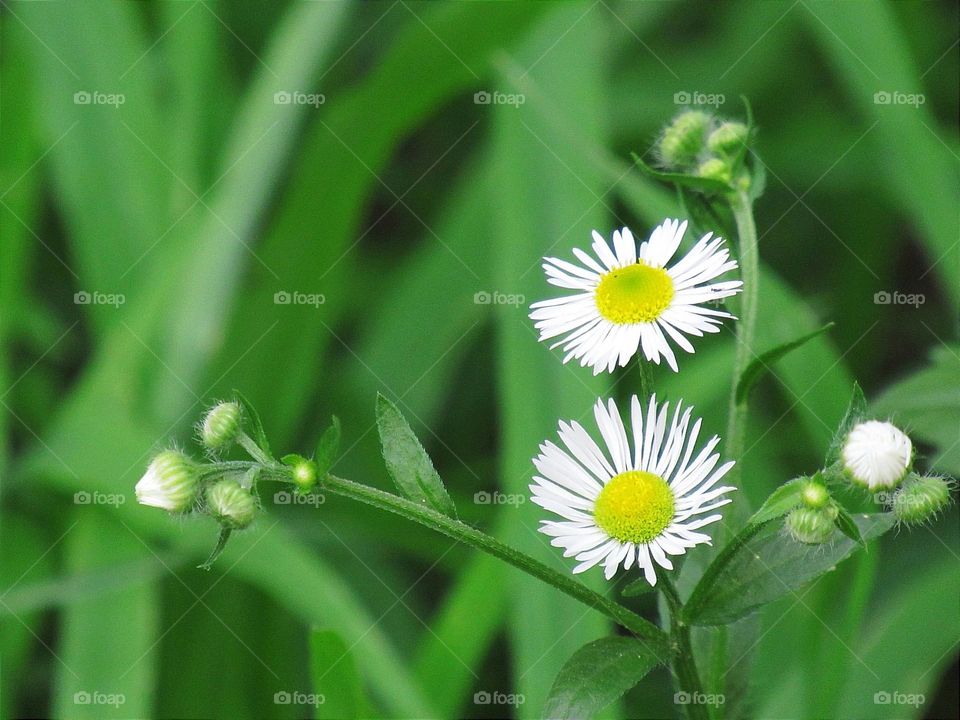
(637, 588)
(762, 564)
(259, 435)
(327, 448)
(762, 363)
(596, 675)
(848, 525)
(702, 184)
(335, 677)
(781, 501)
(407, 461)
(856, 411)
(217, 549)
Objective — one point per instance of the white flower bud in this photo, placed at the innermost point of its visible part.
(221, 425)
(876, 455)
(170, 482)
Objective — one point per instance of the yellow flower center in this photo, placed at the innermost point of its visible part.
(634, 294)
(635, 506)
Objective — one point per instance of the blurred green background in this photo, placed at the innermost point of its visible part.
(398, 169)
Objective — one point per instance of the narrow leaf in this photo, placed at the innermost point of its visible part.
(761, 364)
(781, 501)
(848, 526)
(596, 675)
(707, 185)
(407, 461)
(336, 683)
(637, 588)
(856, 411)
(763, 564)
(259, 435)
(328, 447)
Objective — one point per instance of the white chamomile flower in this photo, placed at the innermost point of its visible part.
(622, 507)
(876, 455)
(629, 300)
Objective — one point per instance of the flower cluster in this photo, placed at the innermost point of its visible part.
(701, 145)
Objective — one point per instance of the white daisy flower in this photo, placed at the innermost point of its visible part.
(628, 299)
(876, 455)
(622, 507)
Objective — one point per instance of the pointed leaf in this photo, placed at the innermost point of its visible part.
(763, 564)
(259, 435)
(328, 447)
(637, 588)
(781, 501)
(596, 675)
(761, 364)
(848, 526)
(702, 184)
(856, 411)
(407, 461)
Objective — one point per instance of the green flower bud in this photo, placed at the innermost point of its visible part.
(231, 504)
(305, 475)
(715, 169)
(814, 494)
(811, 526)
(921, 498)
(683, 140)
(728, 138)
(170, 482)
(221, 425)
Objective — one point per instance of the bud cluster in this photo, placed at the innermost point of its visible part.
(700, 144)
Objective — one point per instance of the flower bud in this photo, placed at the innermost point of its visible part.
(305, 475)
(683, 139)
(921, 498)
(814, 494)
(728, 138)
(715, 169)
(170, 482)
(221, 425)
(229, 503)
(876, 455)
(811, 526)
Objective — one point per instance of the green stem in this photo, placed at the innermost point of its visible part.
(254, 450)
(682, 661)
(746, 330)
(481, 541)
(646, 380)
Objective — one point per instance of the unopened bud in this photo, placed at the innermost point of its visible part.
(683, 140)
(170, 482)
(221, 425)
(728, 138)
(921, 498)
(811, 526)
(232, 505)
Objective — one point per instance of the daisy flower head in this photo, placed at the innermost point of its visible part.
(628, 299)
(641, 499)
(876, 455)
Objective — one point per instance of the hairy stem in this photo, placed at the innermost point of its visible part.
(481, 541)
(682, 661)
